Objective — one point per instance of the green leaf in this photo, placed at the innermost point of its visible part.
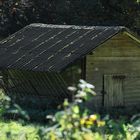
(75, 109)
(59, 115)
(66, 103)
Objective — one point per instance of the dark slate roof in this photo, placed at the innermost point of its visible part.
(42, 47)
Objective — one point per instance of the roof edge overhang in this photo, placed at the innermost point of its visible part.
(73, 26)
(132, 35)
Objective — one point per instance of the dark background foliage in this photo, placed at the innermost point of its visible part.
(15, 14)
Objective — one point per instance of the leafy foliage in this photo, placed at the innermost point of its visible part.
(73, 122)
(76, 123)
(16, 131)
(15, 14)
(4, 103)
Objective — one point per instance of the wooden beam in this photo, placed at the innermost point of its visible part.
(132, 36)
(83, 68)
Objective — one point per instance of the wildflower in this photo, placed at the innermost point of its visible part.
(90, 86)
(89, 122)
(72, 88)
(92, 92)
(82, 81)
(93, 118)
(82, 121)
(81, 86)
(80, 94)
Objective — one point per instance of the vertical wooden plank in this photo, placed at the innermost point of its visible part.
(83, 68)
(109, 90)
(132, 90)
(114, 91)
(118, 94)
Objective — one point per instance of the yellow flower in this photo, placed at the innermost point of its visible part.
(93, 117)
(100, 123)
(88, 122)
(82, 121)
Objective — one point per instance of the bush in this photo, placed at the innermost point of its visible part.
(73, 122)
(16, 131)
(4, 103)
(76, 122)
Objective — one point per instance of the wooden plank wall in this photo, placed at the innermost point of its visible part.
(119, 55)
(132, 90)
(43, 88)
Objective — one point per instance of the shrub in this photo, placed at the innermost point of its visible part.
(73, 122)
(4, 103)
(16, 131)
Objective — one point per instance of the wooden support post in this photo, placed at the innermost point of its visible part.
(83, 68)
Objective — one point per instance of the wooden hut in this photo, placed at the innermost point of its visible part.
(42, 60)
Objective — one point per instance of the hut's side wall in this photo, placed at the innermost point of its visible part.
(119, 55)
(45, 90)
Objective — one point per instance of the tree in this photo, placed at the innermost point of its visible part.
(15, 14)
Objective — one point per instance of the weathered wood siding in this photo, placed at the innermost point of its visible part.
(119, 55)
(113, 86)
(44, 89)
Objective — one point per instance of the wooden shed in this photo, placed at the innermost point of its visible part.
(42, 60)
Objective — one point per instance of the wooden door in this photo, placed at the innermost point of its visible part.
(113, 86)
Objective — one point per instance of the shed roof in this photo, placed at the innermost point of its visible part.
(42, 47)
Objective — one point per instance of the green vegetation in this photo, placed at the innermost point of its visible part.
(16, 131)
(74, 122)
(15, 14)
